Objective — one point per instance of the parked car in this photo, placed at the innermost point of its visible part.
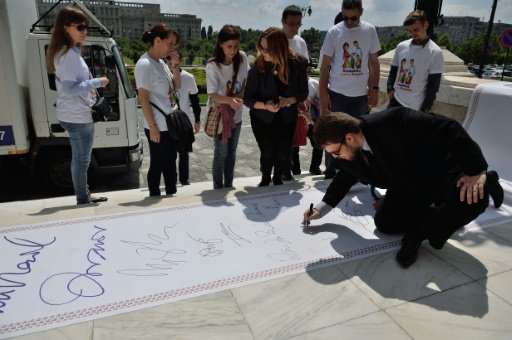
(314, 62)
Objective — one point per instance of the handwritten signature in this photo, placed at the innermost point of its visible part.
(8, 283)
(232, 235)
(157, 253)
(285, 253)
(211, 246)
(64, 288)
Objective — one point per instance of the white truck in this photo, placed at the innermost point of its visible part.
(29, 129)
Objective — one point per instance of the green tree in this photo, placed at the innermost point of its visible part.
(209, 34)
(203, 33)
(444, 40)
(313, 39)
(389, 45)
(471, 50)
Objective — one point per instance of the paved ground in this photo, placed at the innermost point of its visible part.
(247, 162)
(16, 186)
(461, 291)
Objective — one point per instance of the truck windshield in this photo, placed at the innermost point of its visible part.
(127, 85)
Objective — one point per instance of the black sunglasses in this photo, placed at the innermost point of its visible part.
(80, 27)
(352, 18)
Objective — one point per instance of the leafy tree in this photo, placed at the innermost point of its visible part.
(210, 32)
(389, 45)
(471, 50)
(444, 40)
(313, 39)
(203, 33)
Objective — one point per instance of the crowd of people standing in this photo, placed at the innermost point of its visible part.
(435, 175)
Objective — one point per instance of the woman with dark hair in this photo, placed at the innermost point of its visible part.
(226, 75)
(74, 94)
(275, 84)
(155, 86)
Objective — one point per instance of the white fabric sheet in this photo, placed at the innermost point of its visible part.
(489, 122)
(64, 272)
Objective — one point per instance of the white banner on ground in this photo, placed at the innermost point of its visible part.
(64, 272)
(488, 121)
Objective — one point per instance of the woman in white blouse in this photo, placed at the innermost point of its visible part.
(75, 97)
(156, 87)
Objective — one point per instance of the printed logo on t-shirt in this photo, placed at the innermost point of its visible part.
(237, 90)
(352, 59)
(405, 74)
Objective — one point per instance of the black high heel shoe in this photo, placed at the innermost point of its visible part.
(495, 189)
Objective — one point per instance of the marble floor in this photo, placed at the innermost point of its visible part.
(461, 291)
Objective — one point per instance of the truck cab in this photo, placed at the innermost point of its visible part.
(117, 146)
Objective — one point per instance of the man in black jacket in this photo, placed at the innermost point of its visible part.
(434, 173)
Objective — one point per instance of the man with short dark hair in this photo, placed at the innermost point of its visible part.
(349, 72)
(434, 173)
(416, 68)
(292, 21)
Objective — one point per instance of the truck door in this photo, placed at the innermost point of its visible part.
(100, 63)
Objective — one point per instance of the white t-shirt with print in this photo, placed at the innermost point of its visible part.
(156, 78)
(218, 77)
(415, 63)
(188, 86)
(349, 49)
(298, 45)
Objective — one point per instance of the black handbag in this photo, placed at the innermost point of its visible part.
(101, 111)
(179, 127)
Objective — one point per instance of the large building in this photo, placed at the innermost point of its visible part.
(458, 29)
(129, 19)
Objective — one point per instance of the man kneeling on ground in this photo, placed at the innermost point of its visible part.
(434, 173)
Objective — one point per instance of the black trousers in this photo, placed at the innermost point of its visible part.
(394, 103)
(316, 156)
(275, 144)
(162, 160)
(183, 166)
(422, 218)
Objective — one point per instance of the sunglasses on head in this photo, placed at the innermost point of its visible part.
(80, 27)
(352, 18)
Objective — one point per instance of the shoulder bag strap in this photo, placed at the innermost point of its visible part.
(159, 109)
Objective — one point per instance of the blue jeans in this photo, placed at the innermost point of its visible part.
(354, 106)
(224, 156)
(81, 137)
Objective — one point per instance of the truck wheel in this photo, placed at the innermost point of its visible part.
(57, 169)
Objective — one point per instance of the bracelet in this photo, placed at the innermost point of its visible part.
(152, 125)
(375, 88)
(288, 102)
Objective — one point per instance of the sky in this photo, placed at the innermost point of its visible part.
(261, 14)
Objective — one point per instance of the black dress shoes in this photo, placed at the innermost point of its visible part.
(277, 181)
(286, 177)
(316, 171)
(98, 199)
(408, 254)
(495, 189)
(265, 181)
